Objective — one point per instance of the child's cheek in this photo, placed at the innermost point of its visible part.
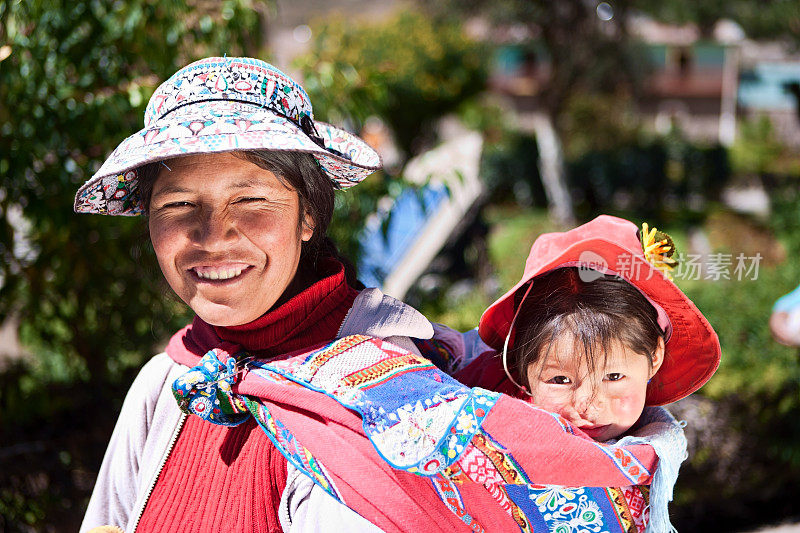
(628, 407)
(554, 406)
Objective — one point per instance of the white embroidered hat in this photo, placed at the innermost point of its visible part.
(221, 105)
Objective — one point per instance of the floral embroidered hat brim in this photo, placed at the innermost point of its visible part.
(615, 246)
(221, 105)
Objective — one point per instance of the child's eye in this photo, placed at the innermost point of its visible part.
(559, 380)
(614, 376)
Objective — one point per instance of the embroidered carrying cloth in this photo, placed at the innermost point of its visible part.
(408, 447)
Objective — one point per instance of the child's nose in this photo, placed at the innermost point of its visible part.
(587, 400)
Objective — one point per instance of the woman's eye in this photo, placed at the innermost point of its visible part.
(176, 205)
(614, 376)
(250, 199)
(559, 380)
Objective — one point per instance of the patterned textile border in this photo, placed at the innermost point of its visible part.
(290, 447)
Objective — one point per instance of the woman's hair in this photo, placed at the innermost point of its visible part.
(301, 172)
(596, 313)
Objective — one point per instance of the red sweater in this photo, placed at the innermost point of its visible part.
(221, 478)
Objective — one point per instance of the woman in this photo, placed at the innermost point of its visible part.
(248, 252)
(320, 403)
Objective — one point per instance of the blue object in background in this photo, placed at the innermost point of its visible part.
(764, 87)
(788, 302)
(409, 213)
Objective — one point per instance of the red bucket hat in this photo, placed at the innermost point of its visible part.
(612, 245)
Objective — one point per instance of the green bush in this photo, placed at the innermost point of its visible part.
(649, 178)
(75, 82)
(510, 169)
(75, 78)
(408, 70)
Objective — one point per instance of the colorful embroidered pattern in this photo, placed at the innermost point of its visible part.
(384, 370)
(115, 194)
(617, 497)
(637, 502)
(219, 105)
(438, 352)
(244, 79)
(419, 433)
(564, 510)
(627, 463)
(449, 494)
(507, 468)
(499, 493)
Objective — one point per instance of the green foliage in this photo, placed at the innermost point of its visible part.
(76, 77)
(513, 233)
(786, 214)
(510, 169)
(351, 209)
(756, 149)
(748, 347)
(407, 70)
(597, 122)
(752, 454)
(649, 177)
(513, 230)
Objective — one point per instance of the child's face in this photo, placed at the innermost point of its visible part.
(605, 402)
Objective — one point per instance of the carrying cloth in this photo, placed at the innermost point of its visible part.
(409, 448)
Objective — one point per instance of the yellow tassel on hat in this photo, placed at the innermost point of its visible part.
(658, 249)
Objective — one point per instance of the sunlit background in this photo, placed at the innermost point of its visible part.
(497, 120)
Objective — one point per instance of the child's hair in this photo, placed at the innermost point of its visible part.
(597, 313)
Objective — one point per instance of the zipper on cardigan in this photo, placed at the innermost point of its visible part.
(152, 486)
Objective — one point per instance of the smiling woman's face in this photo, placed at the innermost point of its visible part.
(227, 235)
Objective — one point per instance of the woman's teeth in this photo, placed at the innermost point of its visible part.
(218, 274)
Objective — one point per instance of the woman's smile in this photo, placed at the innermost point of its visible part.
(220, 273)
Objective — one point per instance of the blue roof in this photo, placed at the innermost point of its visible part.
(763, 86)
(408, 215)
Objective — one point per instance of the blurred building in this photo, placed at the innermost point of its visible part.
(769, 85)
(701, 84)
(693, 81)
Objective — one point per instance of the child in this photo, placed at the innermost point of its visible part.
(592, 298)
(595, 331)
(589, 352)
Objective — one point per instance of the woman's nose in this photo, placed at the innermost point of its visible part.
(215, 228)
